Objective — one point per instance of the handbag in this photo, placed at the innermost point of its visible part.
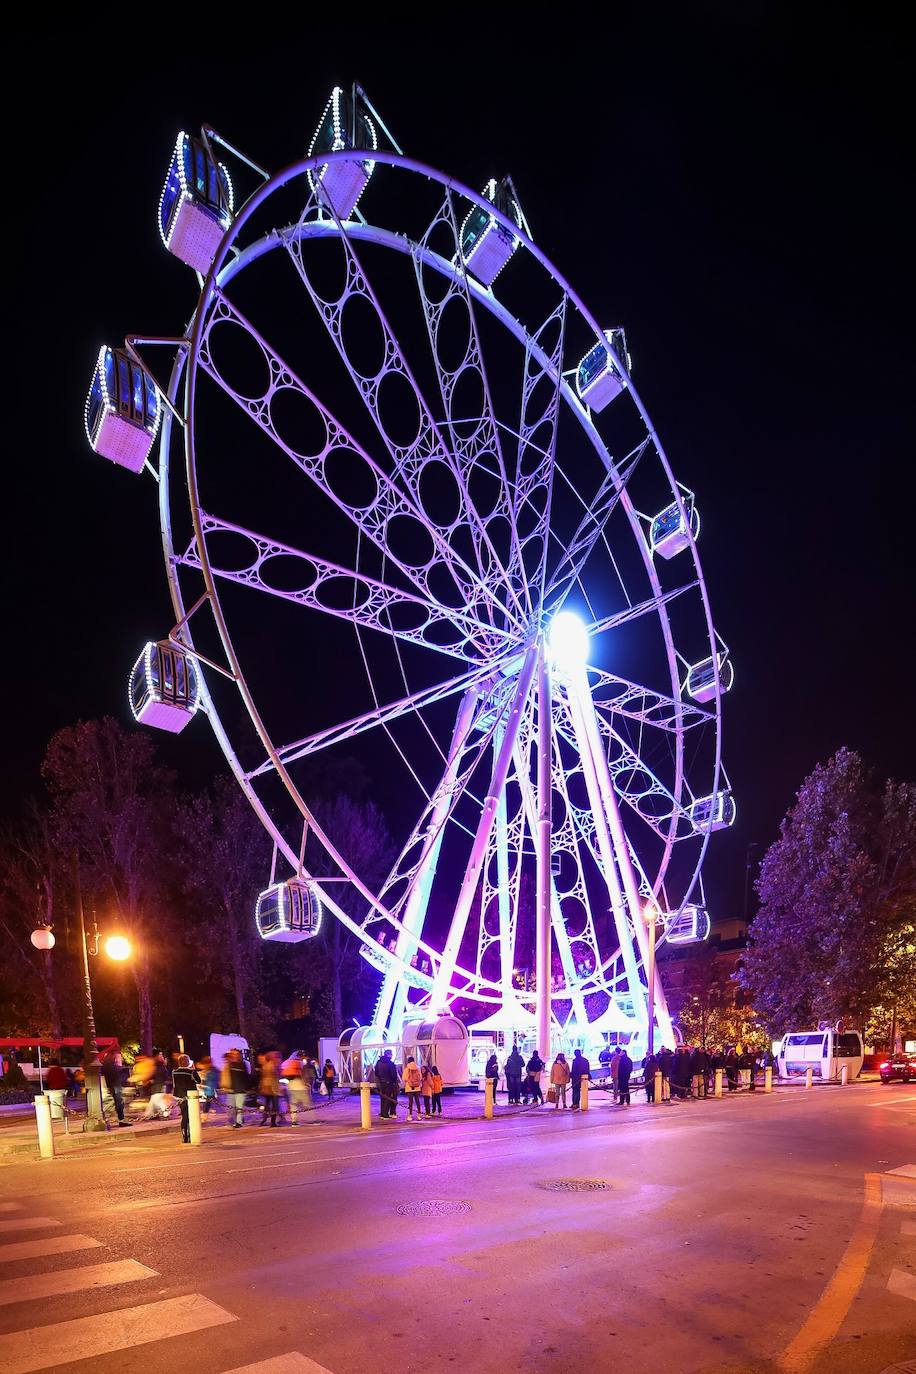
(551, 1094)
(323, 1090)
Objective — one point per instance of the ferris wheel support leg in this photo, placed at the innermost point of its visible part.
(506, 951)
(611, 810)
(392, 998)
(446, 970)
(543, 877)
(606, 847)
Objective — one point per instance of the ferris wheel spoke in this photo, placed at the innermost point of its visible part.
(644, 704)
(652, 603)
(341, 592)
(428, 444)
(590, 530)
(378, 717)
(535, 466)
(388, 507)
(476, 441)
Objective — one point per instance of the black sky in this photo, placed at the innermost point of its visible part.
(733, 184)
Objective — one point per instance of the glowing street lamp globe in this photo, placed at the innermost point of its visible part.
(568, 640)
(118, 947)
(42, 938)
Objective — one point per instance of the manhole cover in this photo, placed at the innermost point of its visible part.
(433, 1207)
(576, 1185)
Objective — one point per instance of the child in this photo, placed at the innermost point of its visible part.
(413, 1081)
(436, 1091)
(426, 1087)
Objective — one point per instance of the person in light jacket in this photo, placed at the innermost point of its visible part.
(559, 1078)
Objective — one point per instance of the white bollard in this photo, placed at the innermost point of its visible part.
(45, 1129)
(844, 1075)
(658, 1085)
(809, 1078)
(583, 1094)
(365, 1106)
(488, 1099)
(717, 1085)
(768, 1080)
(194, 1117)
(56, 1097)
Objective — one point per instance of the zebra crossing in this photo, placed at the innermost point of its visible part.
(50, 1344)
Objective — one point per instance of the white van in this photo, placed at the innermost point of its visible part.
(824, 1051)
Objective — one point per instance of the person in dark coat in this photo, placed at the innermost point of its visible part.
(649, 1070)
(185, 1079)
(731, 1069)
(386, 1076)
(534, 1068)
(113, 1076)
(624, 1069)
(492, 1071)
(699, 1064)
(515, 1066)
(680, 1075)
(665, 1057)
(579, 1069)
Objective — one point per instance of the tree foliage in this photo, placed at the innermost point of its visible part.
(834, 936)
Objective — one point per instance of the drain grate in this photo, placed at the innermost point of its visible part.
(433, 1207)
(575, 1185)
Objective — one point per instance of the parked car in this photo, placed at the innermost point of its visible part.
(901, 1067)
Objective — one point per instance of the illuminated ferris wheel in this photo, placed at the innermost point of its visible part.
(407, 487)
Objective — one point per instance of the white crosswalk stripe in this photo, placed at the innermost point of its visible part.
(902, 1283)
(907, 1170)
(72, 1280)
(28, 1224)
(293, 1363)
(36, 1249)
(44, 1347)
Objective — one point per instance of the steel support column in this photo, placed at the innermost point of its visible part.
(543, 883)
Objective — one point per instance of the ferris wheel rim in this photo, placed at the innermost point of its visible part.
(221, 272)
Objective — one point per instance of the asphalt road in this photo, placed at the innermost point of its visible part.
(763, 1235)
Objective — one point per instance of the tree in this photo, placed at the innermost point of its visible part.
(226, 853)
(27, 892)
(110, 802)
(834, 936)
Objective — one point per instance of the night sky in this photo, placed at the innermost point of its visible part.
(732, 187)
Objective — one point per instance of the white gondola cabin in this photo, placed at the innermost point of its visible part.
(701, 678)
(713, 813)
(164, 687)
(122, 410)
(670, 531)
(487, 245)
(690, 926)
(599, 377)
(195, 208)
(344, 124)
(288, 912)
(445, 1042)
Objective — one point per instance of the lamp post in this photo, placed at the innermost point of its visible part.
(651, 912)
(116, 947)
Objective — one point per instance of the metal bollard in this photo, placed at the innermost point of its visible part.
(768, 1080)
(844, 1075)
(583, 1094)
(717, 1088)
(658, 1085)
(194, 1117)
(488, 1099)
(365, 1106)
(809, 1078)
(45, 1129)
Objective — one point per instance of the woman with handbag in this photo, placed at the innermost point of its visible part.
(559, 1078)
(328, 1079)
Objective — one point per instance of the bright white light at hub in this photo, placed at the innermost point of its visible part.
(568, 640)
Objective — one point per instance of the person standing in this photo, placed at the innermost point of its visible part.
(426, 1088)
(559, 1078)
(328, 1078)
(731, 1069)
(300, 1098)
(649, 1070)
(437, 1090)
(624, 1069)
(534, 1068)
(615, 1070)
(113, 1078)
(309, 1075)
(185, 1078)
(515, 1066)
(579, 1069)
(269, 1087)
(236, 1081)
(209, 1077)
(386, 1076)
(412, 1084)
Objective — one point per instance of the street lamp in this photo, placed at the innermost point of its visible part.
(117, 947)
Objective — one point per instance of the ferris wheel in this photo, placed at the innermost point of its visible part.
(407, 487)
